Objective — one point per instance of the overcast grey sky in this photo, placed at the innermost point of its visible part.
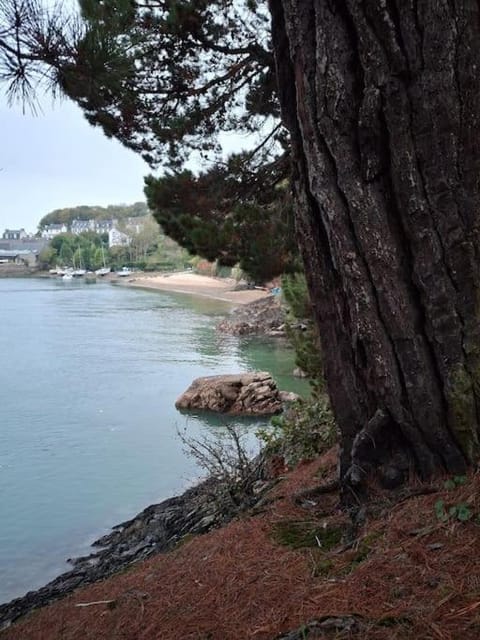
(55, 160)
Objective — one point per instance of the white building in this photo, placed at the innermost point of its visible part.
(81, 226)
(117, 239)
(14, 234)
(52, 230)
(104, 226)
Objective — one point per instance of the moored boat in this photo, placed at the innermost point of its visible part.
(124, 271)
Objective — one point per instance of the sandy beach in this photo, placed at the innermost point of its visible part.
(194, 284)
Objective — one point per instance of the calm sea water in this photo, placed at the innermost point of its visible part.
(88, 429)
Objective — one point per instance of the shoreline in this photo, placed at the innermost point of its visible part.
(185, 282)
(158, 529)
(194, 284)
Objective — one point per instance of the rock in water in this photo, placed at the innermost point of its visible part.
(239, 394)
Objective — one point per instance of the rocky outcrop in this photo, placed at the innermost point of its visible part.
(251, 394)
(262, 317)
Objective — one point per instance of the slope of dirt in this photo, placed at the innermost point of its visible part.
(411, 571)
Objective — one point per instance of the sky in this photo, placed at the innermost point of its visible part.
(56, 159)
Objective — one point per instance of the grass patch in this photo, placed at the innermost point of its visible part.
(298, 534)
(322, 567)
(364, 549)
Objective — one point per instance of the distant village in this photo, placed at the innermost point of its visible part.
(21, 248)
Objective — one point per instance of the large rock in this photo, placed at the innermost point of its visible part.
(242, 394)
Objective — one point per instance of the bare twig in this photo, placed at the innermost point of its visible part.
(91, 604)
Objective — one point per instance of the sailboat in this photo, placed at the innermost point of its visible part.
(78, 273)
(103, 270)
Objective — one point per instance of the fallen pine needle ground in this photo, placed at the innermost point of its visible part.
(411, 571)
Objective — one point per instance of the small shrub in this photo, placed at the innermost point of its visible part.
(188, 537)
(304, 431)
(456, 481)
(225, 458)
(461, 512)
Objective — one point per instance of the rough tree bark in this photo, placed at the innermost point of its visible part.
(382, 101)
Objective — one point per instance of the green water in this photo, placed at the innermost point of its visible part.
(88, 428)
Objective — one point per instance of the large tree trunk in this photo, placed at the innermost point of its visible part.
(382, 101)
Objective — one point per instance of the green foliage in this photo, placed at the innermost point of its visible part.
(456, 481)
(185, 539)
(119, 257)
(440, 511)
(321, 567)
(148, 249)
(163, 77)
(47, 257)
(81, 251)
(209, 216)
(462, 412)
(295, 292)
(461, 511)
(303, 431)
(364, 548)
(302, 331)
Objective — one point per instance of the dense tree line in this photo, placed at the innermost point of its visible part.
(117, 211)
(148, 248)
